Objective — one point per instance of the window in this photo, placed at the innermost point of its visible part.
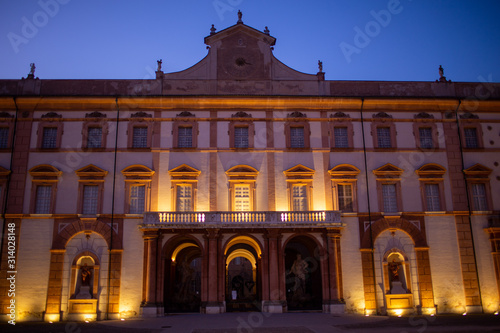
(470, 136)
(91, 184)
(479, 197)
(184, 198)
(185, 130)
(137, 188)
(432, 197)
(425, 135)
(43, 191)
(90, 199)
(384, 137)
(297, 131)
(140, 137)
(4, 176)
(299, 187)
(345, 197)
(341, 138)
(137, 199)
(94, 137)
(4, 137)
(43, 199)
(242, 180)
(242, 198)
(389, 198)
(184, 187)
(388, 179)
(431, 178)
(299, 197)
(49, 137)
(241, 137)
(297, 137)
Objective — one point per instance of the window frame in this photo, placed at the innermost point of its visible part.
(50, 120)
(383, 119)
(239, 175)
(7, 121)
(137, 175)
(344, 174)
(104, 133)
(469, 120)
(434, 134)
(185, 119)
(181, 176)
(4, 177)
(241, 119)
(389, 174)
(297, 119)
(432, 173)
(479, 174)
(140, 119)
(299, 175)
(90, 175)
(44, 175)
(340, 119)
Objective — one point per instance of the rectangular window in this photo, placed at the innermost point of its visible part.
(384, 137)
(90, 199)
(185, 138)
(184, 198)
(4, 137)
(297, 137)
(432, 197)
(479, 197)
(137, 198)
(340, 134)
(242, 198)
(241, 137)
(389, 198)
(140, 137)
(425, 134)
(49, 137)
(43, 198)
(94, 138)
(345, 197)
(299, 197)
(471, 138)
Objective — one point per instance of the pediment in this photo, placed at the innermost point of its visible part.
(242, 170)
(44, 171)
(184, 169)
(137, 170)
(91, 170)
(4, 172)
(388, 170)
(240, 29)
(430, 168)
(299, 170)
(478, 170)
(344, 170)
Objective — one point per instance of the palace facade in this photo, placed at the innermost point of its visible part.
(240, 184)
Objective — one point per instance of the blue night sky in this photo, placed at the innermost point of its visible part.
(385, 40)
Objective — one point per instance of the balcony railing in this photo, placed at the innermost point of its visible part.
(232, 219)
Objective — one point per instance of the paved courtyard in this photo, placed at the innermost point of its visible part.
(256, 322)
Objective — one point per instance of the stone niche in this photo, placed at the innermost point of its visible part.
(84, 284)
(399, 299)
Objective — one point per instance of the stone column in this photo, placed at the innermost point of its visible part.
(149, 305)
(425, 281)
(214, 303)
(335, 305)
(368, 281)
(276, 300)
(115, 257)
(54, 293)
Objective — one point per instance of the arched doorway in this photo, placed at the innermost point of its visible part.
(182, 289)
(243, 287)
(302, 275)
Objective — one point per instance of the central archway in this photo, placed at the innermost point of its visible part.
(242, 287)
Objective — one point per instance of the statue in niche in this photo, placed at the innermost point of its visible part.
(86, 275)
(85, 285)
(396, 277)
(393, 270)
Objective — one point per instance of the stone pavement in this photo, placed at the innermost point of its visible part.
(256, 322)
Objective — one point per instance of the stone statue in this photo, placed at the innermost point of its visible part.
(159, 65)
(320, 66)
(299, 269)
(32, 68)
(393, 270)
(86, 274)
(441, 71)
(240, 14)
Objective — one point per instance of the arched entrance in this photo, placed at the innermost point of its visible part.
(302, 275)
(182, 289)
(243, 287)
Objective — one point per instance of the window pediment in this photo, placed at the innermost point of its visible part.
(477, 171)
(137, 171)
(388, 171)
(44, 171)
(299, 172)
(430, 170)
(242, 172)
(343, 171)
(91, 172)
(184, 172)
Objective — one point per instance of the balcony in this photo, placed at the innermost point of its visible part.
(305, 219)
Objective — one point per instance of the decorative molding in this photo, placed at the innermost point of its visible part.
(241, 114)
(296, 114)
(382, 114)
(423, 115)
(95, 114)
(468, 115)
(4, 114)
(340, 114)
(141, 114)
(52, 115)
(185, 114)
